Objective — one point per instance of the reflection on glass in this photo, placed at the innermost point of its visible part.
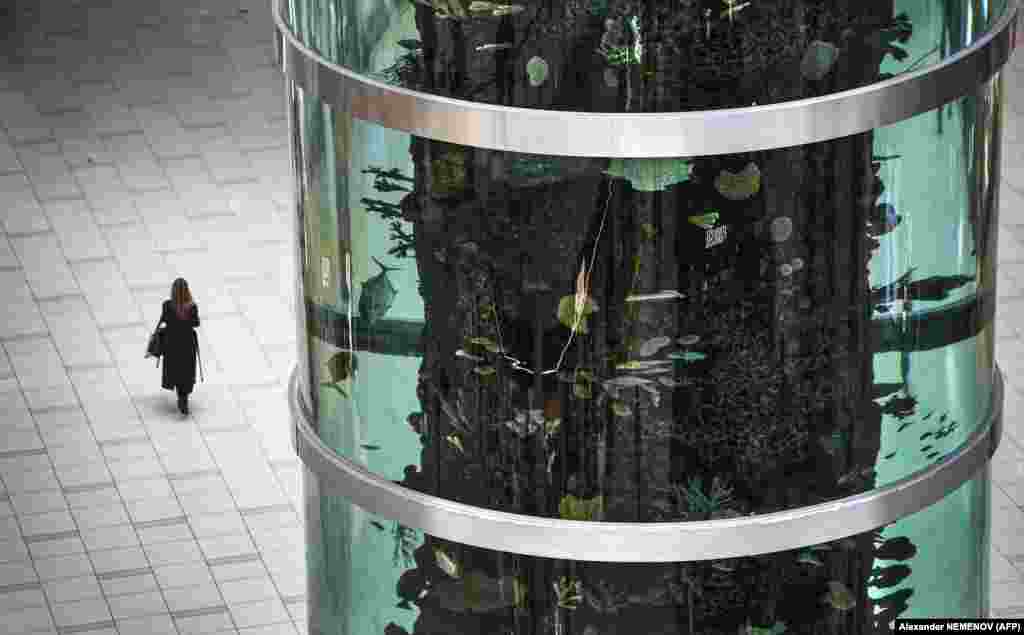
(377, 576)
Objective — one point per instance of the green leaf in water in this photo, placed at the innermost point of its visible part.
(839, 597)
(620, 409)
(485, 371)
(341, 365)
(569, 593)
(650, 175)
(704, 221)
(486, 342)
(567, 312)
(537, 71)
(572, 508)
(455, 441)
(740, 186)
(448, 564)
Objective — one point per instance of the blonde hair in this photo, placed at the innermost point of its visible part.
(181, 297)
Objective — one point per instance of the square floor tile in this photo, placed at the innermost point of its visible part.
(71, 566)
(170, 553)
(138, 605)
(73, 589)
(259, 613)
(191, 574)
(129, 583)
(150, 625)
(192, 598)
(206, 624)
(124, 559)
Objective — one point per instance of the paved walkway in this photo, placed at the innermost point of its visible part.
(140, 142)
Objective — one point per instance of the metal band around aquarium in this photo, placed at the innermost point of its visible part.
(642, 542)
(641, 135)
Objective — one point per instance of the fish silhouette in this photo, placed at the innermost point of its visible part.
(378, 295)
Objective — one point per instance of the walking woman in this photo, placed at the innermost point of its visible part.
(180, 343)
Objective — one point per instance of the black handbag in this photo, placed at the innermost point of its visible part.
(155, 347)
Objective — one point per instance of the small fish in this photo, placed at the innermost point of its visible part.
(653, 345)
(806, 557)
(449, 565)
(378, 525)
(627, 381)
(725, 566)
(839, 597)
(493, 47)
(889, 455)
(943, 418)
(775, 629)
(669, 294)
(378, 295)
(855, 475)
(485, 342)
(704, 221)
(688, 356)
(818, 60)
(463, 354)
(672, 383)
(925, 435)
(928, 416)
(368, 446)
(648, 231)
(410, 45)
(689, 340)
(485, 371)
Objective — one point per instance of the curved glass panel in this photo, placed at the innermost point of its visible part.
(649, 340)
(370, 575)
(628, 56)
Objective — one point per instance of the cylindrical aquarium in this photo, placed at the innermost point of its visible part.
(660, 317)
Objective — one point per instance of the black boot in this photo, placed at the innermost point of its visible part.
(182, 404)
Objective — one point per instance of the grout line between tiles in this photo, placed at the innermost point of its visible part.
(210, 610)
(59, 535)
(85, 628)
(124, 573)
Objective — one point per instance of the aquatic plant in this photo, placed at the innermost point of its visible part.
(572, 508)
(569, 592)
(537, 71)
(651, 175)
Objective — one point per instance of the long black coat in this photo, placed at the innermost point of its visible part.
(180, 345)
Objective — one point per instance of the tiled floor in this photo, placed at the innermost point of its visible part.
(140, 142)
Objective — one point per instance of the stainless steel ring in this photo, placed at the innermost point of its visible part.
(679, 134)
(643, 542)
